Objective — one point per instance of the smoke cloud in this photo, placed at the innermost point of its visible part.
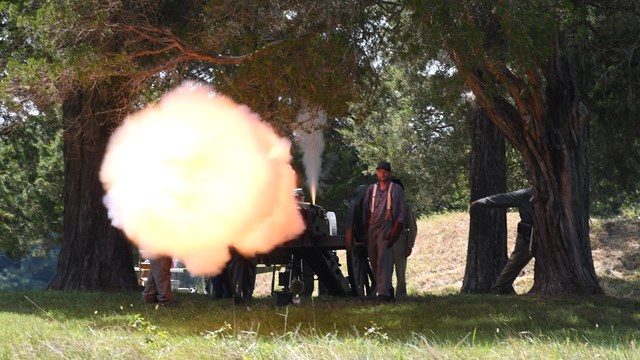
(311, 141)
(196, 174)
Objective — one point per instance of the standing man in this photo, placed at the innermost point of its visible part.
(384, 215)
(157, 289)
(521, 255)
(402, 250)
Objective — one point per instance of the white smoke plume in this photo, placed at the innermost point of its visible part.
(196, 174)
(311, 140)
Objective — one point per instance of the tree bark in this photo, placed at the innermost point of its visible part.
(94, 254)
(549, 126)
(487, 249)
(557, 158)
(528, 77)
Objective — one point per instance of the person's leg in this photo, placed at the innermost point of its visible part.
(225, 283)
(372, 249)
(251, 277)
(241, 277)
(519, 258)
(383, 276)
(161, 269)
(217, 286)
(236, 275)
(150, 291)
(385, 260)
(400, 265)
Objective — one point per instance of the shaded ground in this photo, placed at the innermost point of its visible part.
(438, 261)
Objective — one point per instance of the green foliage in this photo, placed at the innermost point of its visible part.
(631, 210)
(311, 70)
(342, 173)
(480, 32)
(272, 56)
(425, 139)
(152, 332)
(517, 175)
(31, 186)
(32, 272)
(321, 55)
(614, 90)
(516, 43)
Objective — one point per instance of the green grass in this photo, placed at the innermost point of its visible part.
(116, 325)
(434, 322)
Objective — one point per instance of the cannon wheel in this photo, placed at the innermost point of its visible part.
(360, 274)
(361, 277)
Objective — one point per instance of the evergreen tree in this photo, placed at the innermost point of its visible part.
(102, 59)
(31, 185)
(523, 62)
(424, 136)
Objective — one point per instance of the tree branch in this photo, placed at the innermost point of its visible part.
(172, 42)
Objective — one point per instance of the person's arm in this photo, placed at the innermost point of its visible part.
(399, 202)
(504, 200)
(412, 227)
(397, 196)
(408, 251)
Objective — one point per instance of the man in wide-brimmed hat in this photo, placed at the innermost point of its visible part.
(385, 209)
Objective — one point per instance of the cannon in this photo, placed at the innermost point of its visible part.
(297, 263)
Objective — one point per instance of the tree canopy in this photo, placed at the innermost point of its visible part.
(426, 139)
(291, 53)
(393, 78)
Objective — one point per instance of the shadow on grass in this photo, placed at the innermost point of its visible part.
(440, 318)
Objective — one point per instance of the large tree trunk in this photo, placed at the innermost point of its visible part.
(535, 99)
(487, 249)
(557, 160)
(94, 255)
(549, 127)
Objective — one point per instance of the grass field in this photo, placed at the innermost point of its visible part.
(434, 322)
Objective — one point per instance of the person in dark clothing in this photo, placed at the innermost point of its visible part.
(237, 280)
(521, 255)
(242, 277)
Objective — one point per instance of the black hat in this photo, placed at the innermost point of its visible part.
(384, 165)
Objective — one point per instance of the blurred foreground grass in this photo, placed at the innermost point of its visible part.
(434, 322)
(116, 325)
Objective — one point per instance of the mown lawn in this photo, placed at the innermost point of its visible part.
(117, 325)
(434, 322)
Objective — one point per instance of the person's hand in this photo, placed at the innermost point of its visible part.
(393, 235)
(390, 238)
(391, 241)
(474, 203)
(408, 252)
